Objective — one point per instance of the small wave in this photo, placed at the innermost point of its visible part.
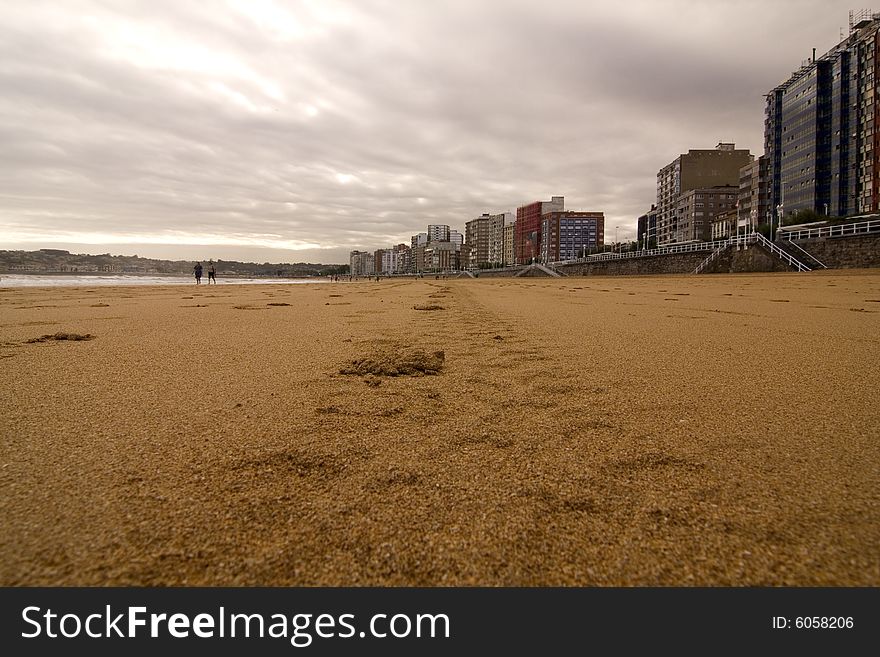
(87, 280)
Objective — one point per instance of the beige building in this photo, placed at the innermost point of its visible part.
(441, 256)
(697, 169)
(438, 233)
(403, 257)
(724, 225)
(753, 195)
(507, 248)
(417, 259)
(485, 235)
(697, 209)
(361, 263)
(395, 260)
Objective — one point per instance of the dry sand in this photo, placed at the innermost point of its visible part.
(717, 430)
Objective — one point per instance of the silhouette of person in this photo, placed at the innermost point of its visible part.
(197, 270)
(212, 275)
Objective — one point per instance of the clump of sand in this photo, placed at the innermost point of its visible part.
(412, 363)
(62, 336)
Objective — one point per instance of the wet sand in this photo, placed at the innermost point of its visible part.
(681, 430)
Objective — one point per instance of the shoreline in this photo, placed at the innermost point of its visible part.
(87, 279)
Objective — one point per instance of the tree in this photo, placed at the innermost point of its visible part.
(803, 217)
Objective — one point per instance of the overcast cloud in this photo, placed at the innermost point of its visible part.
(290, 131)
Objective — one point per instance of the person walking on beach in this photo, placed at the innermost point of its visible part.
(197, 271)
(212, 275)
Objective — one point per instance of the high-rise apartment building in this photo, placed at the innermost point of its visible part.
(396, 260)
(696, 169)
(378, 260)
(456, 238)
(822, 129)
(797, 134)
(753, 203)
(485, 235)
(361, 263)
(509, 230)
(646, 228)
(438, 233)
(417, 259)
(403, 259)
(438, 249)
(389, 261)
(570, 235)
(527, 234)
(441, 256)
(698, 208)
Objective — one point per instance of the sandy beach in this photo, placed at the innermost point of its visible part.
(680, 430)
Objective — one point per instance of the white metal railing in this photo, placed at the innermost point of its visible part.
(775, 250)
(757, 238)
(712, 257)
(645, 253)
(839, 230)
(807, 253)
(716, 247)
(547, 269)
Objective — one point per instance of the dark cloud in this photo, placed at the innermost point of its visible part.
(258, 125)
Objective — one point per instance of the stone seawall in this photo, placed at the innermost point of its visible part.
(752, 258)
(498, 273)
(857, 251)
(678, 263)
(833, 252)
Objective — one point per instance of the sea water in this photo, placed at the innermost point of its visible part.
(92, 280)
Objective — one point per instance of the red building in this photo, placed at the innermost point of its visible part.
(377, 260)
(527, 234)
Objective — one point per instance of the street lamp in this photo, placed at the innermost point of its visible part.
(779, 211)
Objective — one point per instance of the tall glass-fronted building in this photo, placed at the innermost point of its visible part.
(820, 131)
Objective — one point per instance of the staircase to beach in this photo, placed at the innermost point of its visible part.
(538, 269)
(756, 239)
(712, 257)
(796, 250)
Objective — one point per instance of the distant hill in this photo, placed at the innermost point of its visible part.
(60, 261)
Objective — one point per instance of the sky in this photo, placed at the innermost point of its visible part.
(298, 131)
